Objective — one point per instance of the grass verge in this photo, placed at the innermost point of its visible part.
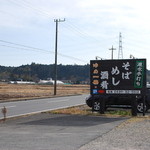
(85, 110)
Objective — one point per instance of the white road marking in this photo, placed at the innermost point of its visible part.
(56, 101)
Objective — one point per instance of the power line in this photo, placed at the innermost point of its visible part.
(21, 48)
(81, 33)
(71, 26)
(85, 35)
(87, 41)
(28, 47)
(37, 49)
(28, 6)
(42, 12)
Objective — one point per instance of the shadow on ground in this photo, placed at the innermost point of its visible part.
(72, 120)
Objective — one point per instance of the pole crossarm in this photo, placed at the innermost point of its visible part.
(59, 20)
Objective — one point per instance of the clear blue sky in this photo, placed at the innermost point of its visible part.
(27, 30)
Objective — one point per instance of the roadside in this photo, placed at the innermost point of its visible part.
(54, 131)
(47, 131)
(133, 134)
(76, 128)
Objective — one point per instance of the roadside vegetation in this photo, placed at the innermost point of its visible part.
(85, 110)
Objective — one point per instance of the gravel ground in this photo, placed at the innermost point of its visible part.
(134, 134)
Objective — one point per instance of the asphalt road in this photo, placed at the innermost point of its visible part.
(53, 131)
(19, 108)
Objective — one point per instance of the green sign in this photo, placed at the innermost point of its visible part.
(139, 74)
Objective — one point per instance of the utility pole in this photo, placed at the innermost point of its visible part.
(112, 49)
(120, 52)
(56, 41)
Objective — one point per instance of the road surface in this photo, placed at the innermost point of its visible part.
(19, 108)
(46, 131)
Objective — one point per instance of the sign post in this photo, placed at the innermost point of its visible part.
(133, 105)
(144, 105)
(118, 77)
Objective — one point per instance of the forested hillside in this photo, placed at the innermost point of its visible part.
(35, 72)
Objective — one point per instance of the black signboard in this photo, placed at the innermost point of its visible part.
(115, 77)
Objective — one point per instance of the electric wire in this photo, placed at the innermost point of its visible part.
(38, 49)
(69, 26)
(36, 10)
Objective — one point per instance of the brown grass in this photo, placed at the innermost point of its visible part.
(75, 110)
(85, 110)
(18, 91)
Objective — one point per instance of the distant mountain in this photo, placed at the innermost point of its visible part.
(35, 72)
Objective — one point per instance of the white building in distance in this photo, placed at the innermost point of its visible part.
(50, 81)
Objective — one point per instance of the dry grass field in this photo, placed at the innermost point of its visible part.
(20, 92)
